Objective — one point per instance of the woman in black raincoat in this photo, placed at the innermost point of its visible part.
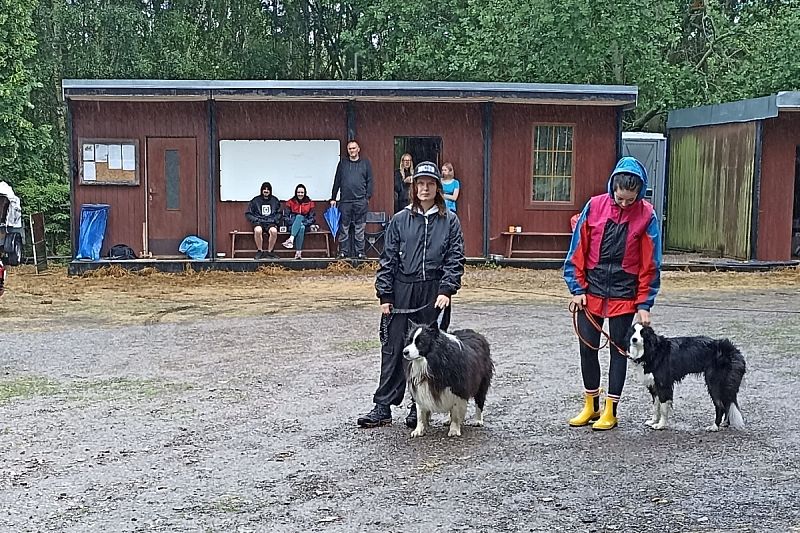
(420, 270)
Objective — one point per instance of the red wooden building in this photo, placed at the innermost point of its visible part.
(526, 155)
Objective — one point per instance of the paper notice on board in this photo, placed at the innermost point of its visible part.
(114, 156)
(101, 153)
(88, 152)
(128, 157)
(89, 171)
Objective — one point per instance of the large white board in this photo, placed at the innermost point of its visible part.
(245, 165)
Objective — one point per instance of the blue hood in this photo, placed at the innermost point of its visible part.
(630, 165)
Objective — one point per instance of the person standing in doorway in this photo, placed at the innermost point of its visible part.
(353, 182)
(450, 185)
(419, 272)
(402, 182)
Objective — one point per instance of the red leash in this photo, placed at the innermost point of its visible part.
(573, 307)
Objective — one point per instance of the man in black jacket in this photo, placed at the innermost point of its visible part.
(263, 212)
(354, 180)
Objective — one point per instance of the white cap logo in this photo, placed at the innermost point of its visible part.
(426, 168)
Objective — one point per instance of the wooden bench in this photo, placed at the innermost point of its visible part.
(510, 237)
(282, 236)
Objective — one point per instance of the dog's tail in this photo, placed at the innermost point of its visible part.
(735, 416)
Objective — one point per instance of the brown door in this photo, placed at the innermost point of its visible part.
(172, 193)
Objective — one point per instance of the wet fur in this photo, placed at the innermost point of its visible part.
(663, 362)
(445, 371)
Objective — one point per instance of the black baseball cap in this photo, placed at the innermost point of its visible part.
(429, 169)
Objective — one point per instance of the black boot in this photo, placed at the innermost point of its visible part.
(411, 419)
(380, 415)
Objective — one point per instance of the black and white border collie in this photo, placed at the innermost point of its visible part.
(447, 370)
(663, 362)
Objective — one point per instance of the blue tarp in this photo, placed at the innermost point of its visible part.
(94, 218)
(194, 247)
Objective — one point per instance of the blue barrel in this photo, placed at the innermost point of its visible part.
(94, 218)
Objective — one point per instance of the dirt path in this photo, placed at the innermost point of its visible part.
(238, 415)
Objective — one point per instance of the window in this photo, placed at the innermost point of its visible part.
(552, 163)
(172, 172)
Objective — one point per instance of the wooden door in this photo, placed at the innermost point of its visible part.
(172, 210)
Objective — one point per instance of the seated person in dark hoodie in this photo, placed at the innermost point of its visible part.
(264, 214)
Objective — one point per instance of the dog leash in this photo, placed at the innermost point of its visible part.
(574, 310)
(386, 319)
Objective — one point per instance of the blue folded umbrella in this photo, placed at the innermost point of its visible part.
(332, 217)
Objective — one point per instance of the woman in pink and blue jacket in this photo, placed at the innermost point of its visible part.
(613, 270)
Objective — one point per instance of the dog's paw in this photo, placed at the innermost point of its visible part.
(417, 432)
(660, 425)
(454, 432)
(478, 423)
(650, 423)
(712, 427)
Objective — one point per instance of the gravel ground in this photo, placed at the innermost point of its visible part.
(248, 424)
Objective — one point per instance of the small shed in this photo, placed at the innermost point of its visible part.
(734, 179)
(176, 158)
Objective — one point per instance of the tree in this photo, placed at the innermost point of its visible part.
(24, 144)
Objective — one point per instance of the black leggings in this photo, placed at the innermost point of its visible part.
(590, 365)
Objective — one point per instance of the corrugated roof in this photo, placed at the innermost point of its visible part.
(739, 111)
(617, 95)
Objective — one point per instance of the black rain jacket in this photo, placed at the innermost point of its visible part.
(420, 247)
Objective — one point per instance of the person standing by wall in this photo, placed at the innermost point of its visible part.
(354, 181)
(451, 186)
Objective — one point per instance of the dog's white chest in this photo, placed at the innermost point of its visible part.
(425, 398)
(646, 379)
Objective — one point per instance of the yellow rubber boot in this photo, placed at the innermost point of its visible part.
(591, 411)
(608, 420)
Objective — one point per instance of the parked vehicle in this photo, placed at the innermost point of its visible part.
(12, 237)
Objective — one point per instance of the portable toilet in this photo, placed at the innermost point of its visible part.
(651, 150)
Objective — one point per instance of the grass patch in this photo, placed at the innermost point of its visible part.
(231, 504)
(27, 387)
(115, 387)
(363, 345)
(36, 386)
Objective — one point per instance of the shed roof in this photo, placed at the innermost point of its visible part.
(739, 111)
(187, 90)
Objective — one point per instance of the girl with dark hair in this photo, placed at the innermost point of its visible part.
(299, 215)
(613, 270)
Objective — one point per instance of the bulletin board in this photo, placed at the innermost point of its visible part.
(108, 161)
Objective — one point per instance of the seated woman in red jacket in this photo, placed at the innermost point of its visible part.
(299, 214)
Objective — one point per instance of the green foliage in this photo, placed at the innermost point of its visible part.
(679, 53)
